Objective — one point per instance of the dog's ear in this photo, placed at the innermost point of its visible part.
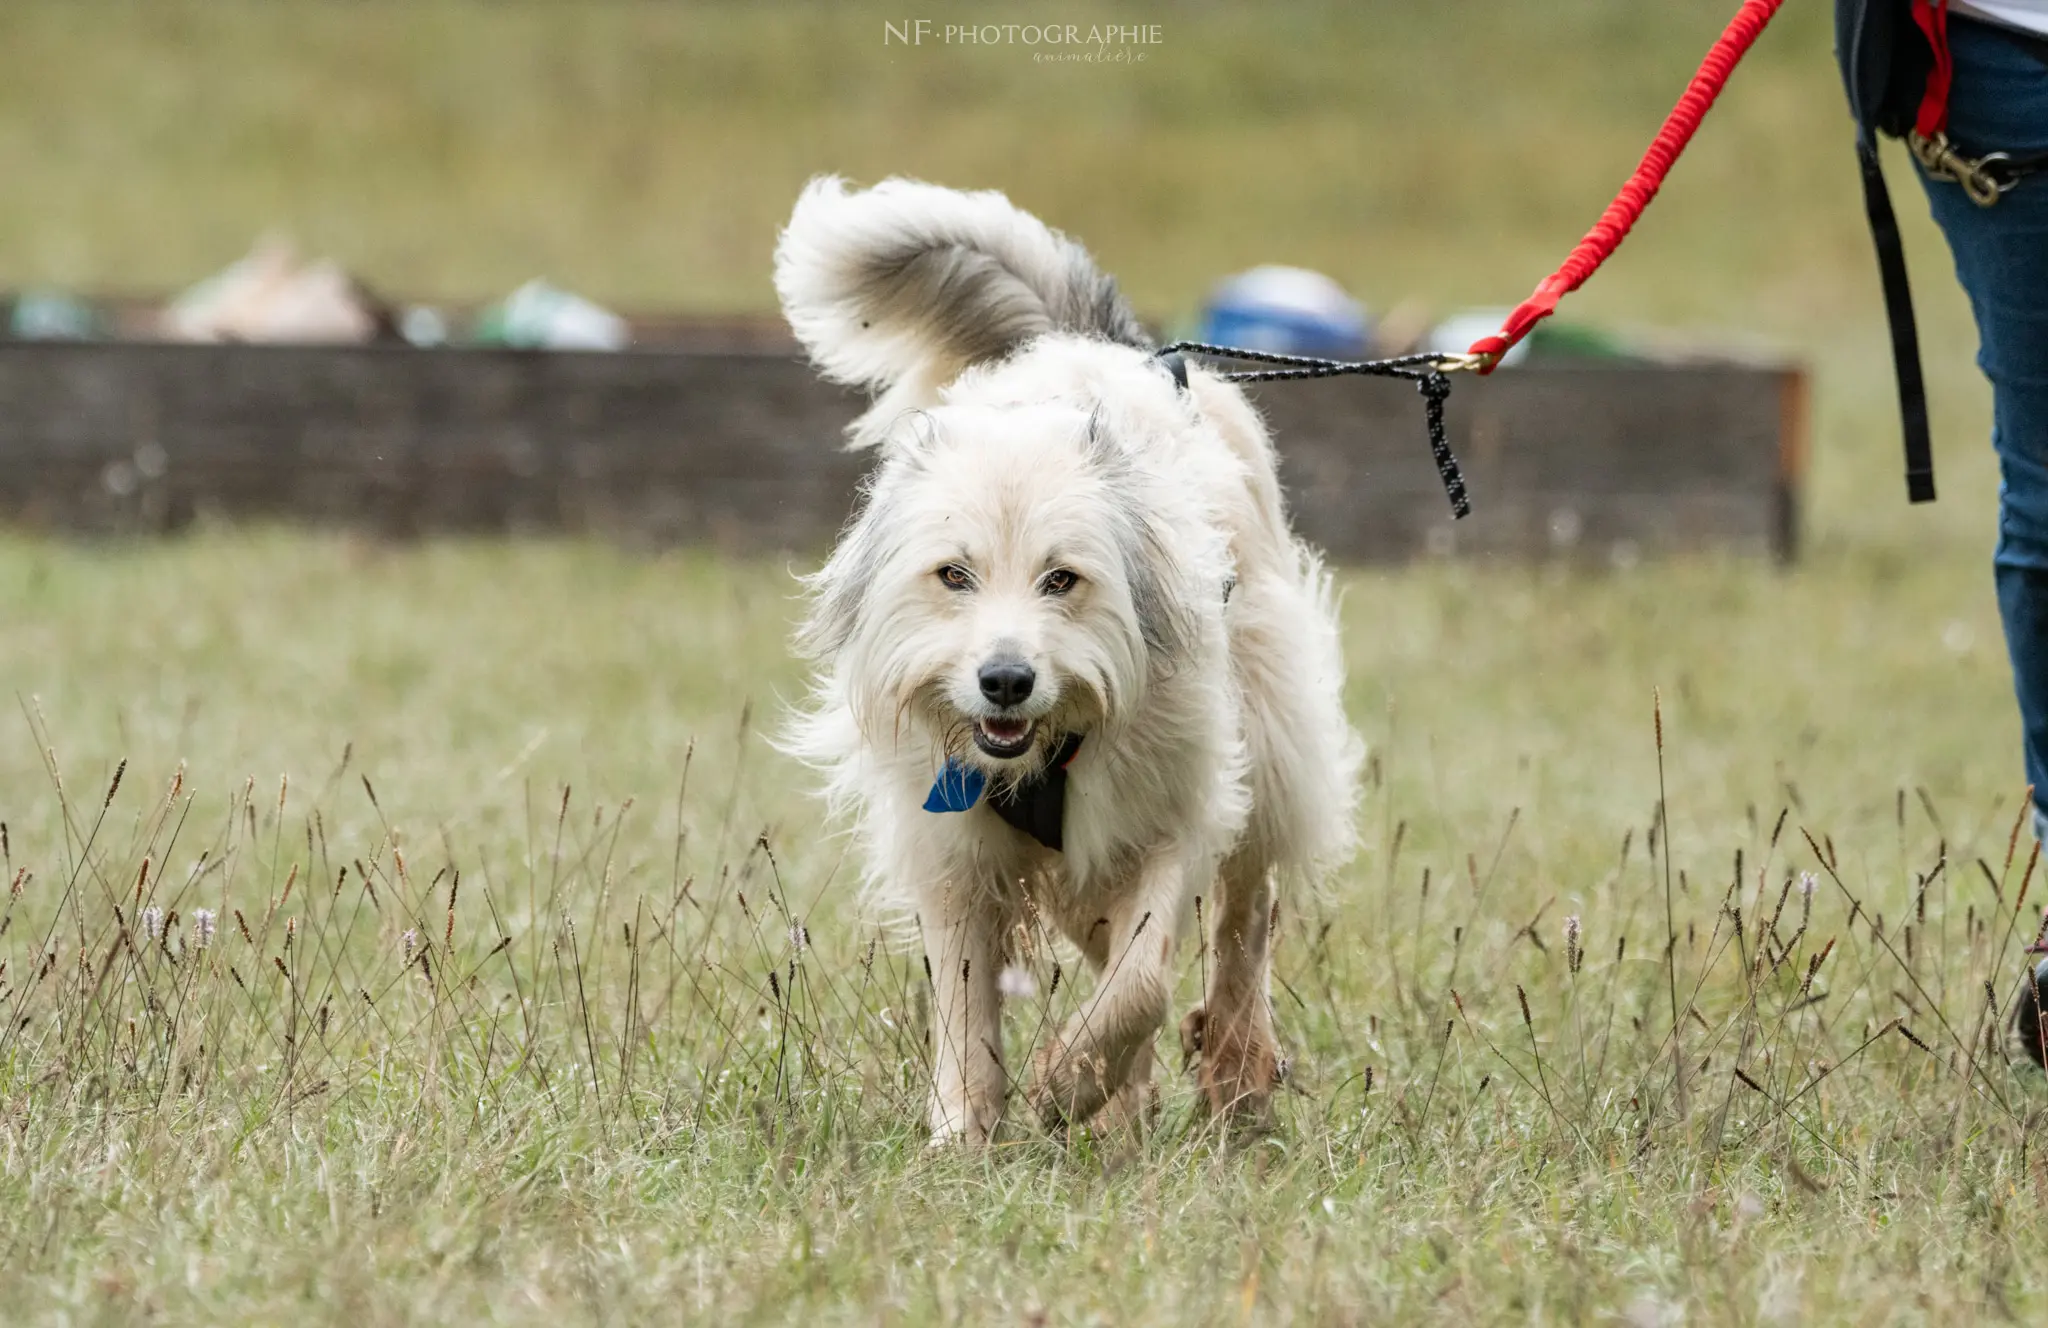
(1151, 575)
(912, 439)
(901, 287)
(1150, 571)
(838, 591)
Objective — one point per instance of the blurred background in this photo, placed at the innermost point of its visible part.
(643, 154)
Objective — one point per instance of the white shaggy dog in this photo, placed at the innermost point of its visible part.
(1074, 666)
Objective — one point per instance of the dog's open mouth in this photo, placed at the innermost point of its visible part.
(1004, 738)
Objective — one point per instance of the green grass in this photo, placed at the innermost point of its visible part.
(182, 1135)
(618, 1116)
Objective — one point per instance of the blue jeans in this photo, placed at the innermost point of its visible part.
(1999, 102)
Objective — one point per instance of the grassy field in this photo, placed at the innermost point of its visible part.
(653, 1101)
(647, 1060)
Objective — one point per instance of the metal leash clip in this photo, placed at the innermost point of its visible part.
(1466, 362)
(1984, 179)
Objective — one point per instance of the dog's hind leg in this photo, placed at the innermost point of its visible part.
(963, 937)
(1233, 1028)
(1107, 1043)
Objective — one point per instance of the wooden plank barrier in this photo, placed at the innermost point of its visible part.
(736, 448)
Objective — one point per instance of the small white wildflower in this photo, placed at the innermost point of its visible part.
(1647, 1311)
(1017, 983)
(152, 922)
(799, 937)
(411, 940)
(202, 928)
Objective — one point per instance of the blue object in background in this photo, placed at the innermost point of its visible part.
(1287, 310)
(49, 315)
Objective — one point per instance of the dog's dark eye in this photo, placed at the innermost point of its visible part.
(1057, 582)
(956, 577)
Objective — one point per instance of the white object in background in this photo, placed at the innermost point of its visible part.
(1455, 335)
(543, 317)
(270, 296)
(423, 325)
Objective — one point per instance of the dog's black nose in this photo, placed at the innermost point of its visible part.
(1007, 682)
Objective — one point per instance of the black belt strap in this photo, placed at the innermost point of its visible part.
(1898, 308)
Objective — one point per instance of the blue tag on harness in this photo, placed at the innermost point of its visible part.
(1037, 805)
(957, 788)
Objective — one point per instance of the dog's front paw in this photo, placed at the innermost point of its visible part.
(941, 1140)
(960, 1125)
(1240, 1068)
(1239, 1063)
(1133, 1109)
(1067, 1087)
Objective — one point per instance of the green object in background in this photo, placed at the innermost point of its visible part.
(1581, 341)
(538, 316)
(50, 315)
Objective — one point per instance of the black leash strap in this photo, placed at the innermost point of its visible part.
(1436, 389)
(1424, 370)
(1898, 308)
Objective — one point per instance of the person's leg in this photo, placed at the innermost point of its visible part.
(2000, 103)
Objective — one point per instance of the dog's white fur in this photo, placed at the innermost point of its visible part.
(1024, 427)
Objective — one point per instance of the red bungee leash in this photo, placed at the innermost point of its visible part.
(1427, 370)
(1931, 16)
(1621, 214)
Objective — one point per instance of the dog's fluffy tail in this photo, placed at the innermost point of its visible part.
(900, 287)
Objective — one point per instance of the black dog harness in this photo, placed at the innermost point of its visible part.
(1038, 805)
